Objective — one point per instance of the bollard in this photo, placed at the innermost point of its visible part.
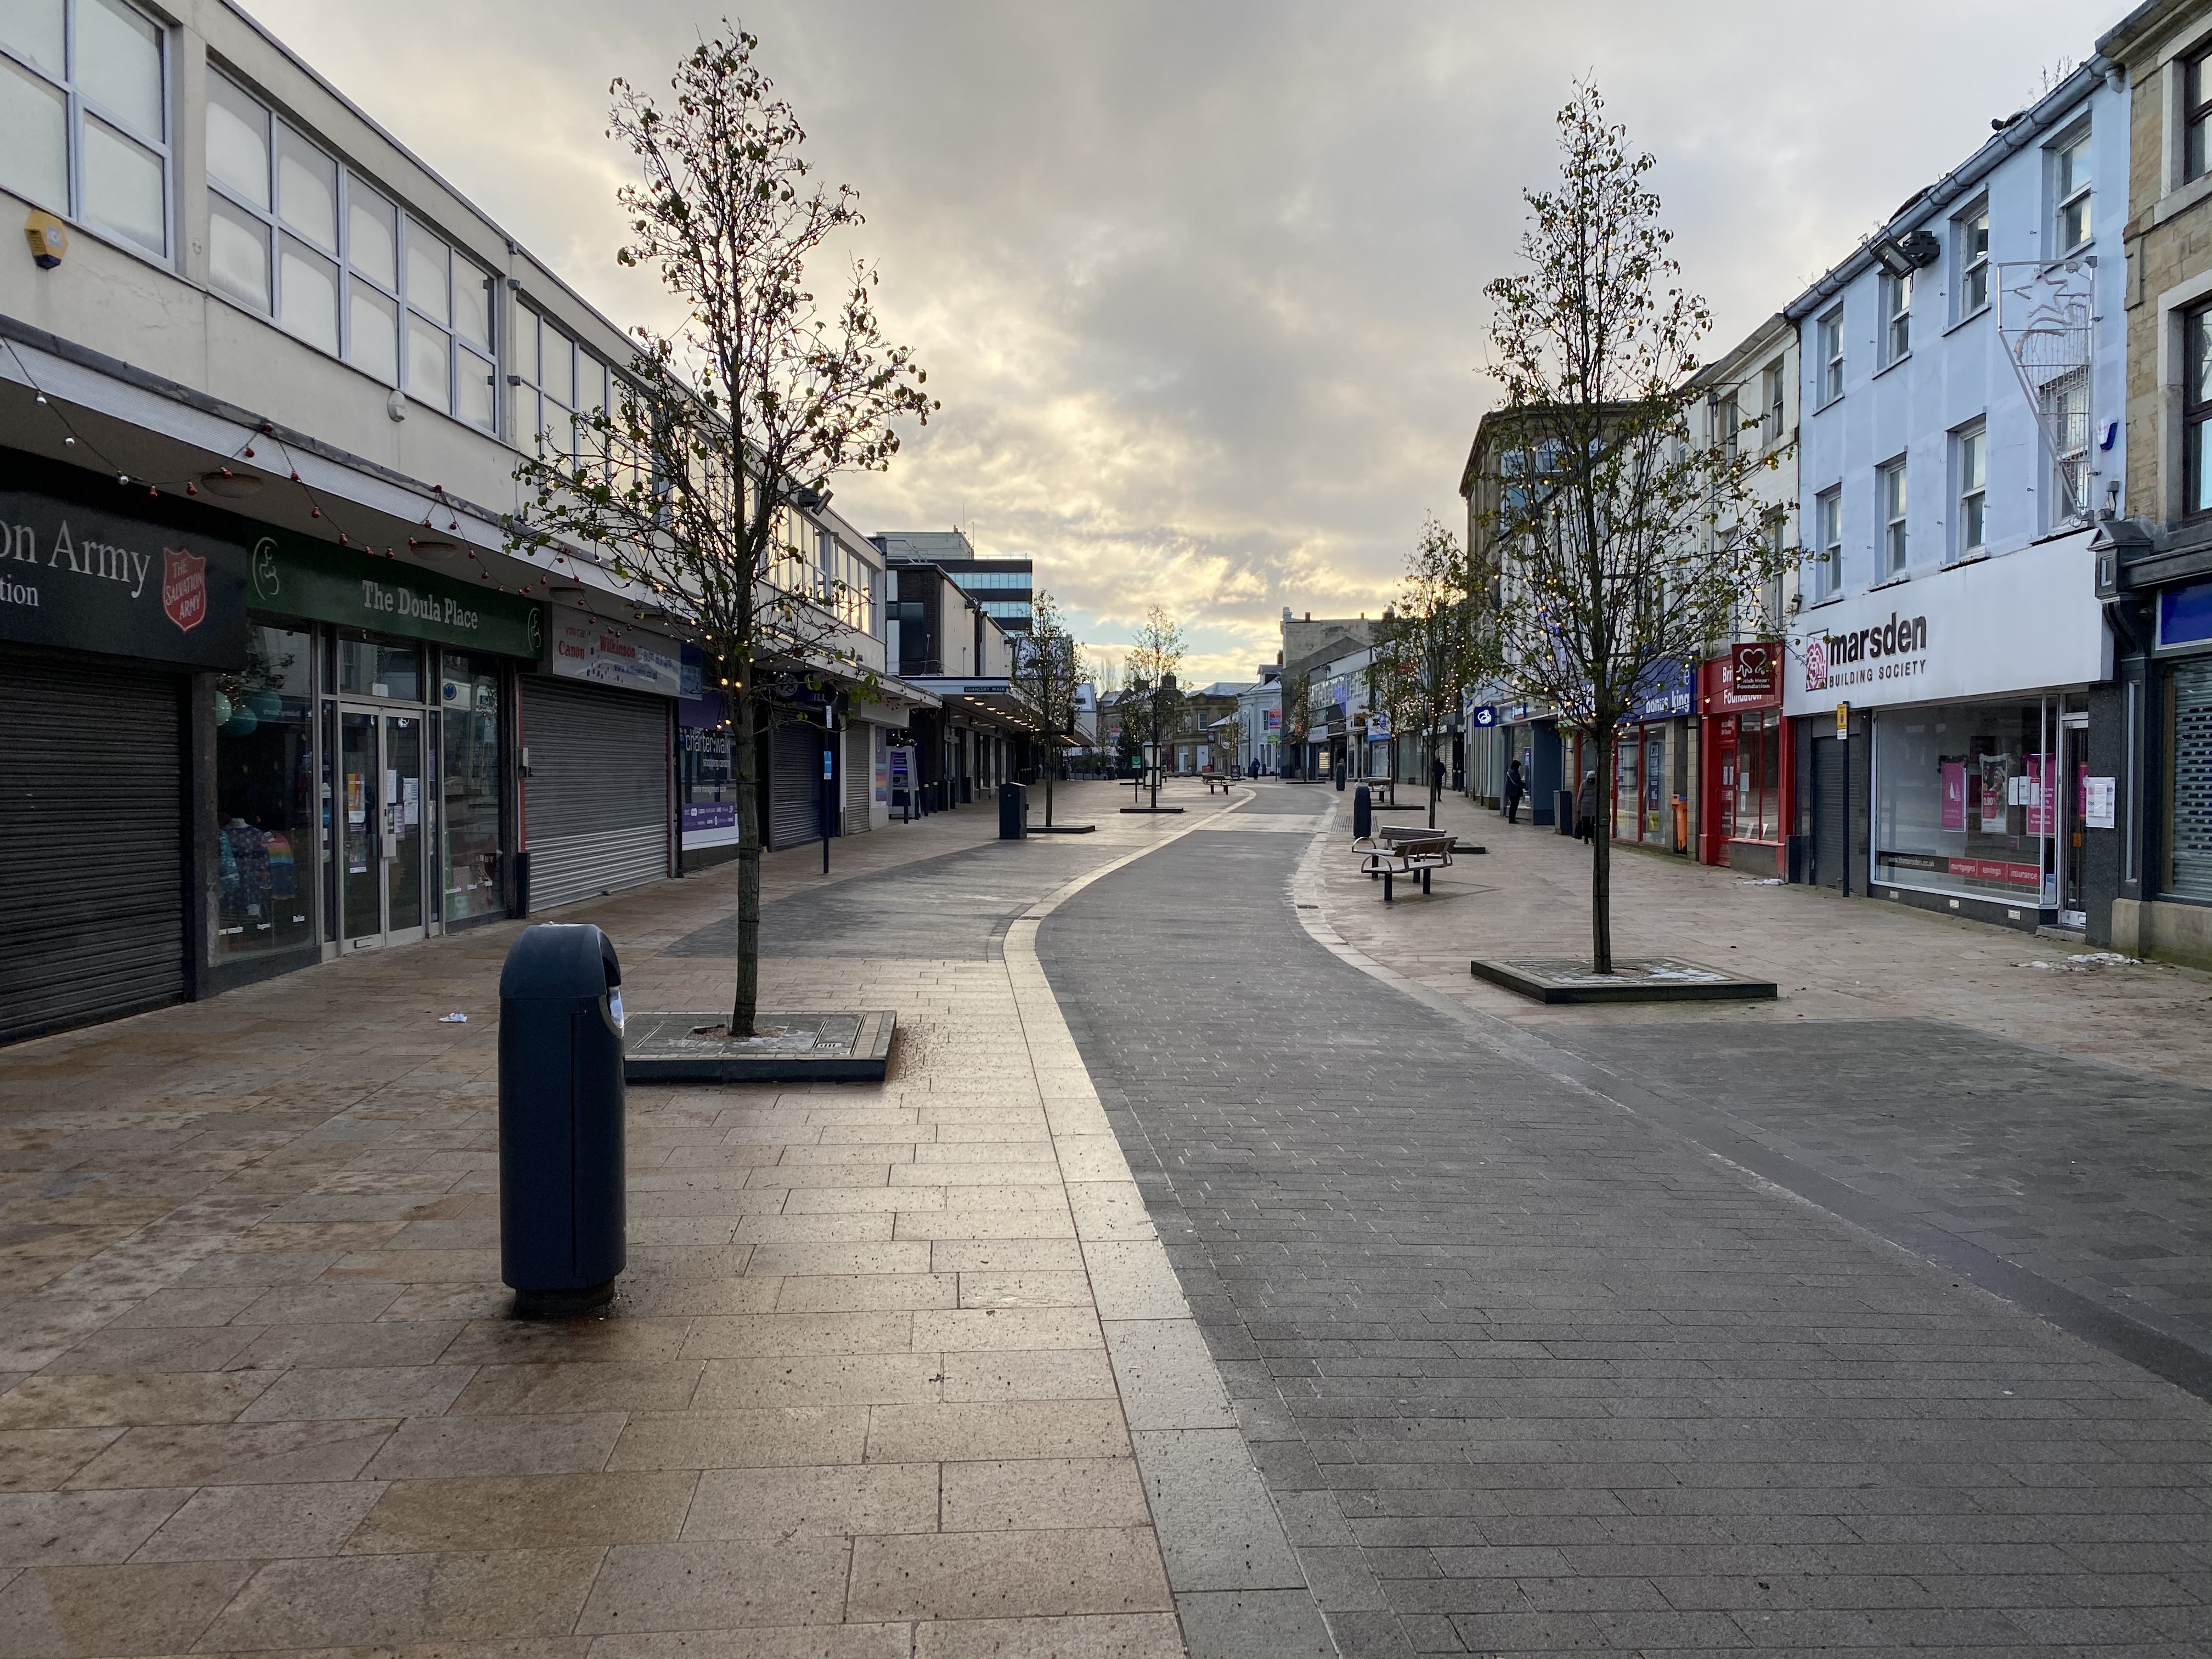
(562, 1237)
(1362, 813)
(1013, 812)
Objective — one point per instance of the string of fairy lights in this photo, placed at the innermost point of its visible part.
(285, 468)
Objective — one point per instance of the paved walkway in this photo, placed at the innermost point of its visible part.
(1529, 1362)
(867, 1390)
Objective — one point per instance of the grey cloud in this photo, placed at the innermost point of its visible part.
(1199, 283)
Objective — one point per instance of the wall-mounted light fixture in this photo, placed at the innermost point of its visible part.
(1903, 255)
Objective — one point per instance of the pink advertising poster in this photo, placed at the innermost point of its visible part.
(1994, 773)
(1954, 793)
(2042, 780)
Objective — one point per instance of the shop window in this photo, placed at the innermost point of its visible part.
(470, 778)
(264, 793)
(1757, 814)
(371, 667)
(1964, 798)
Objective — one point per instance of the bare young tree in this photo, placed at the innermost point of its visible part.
(1152, 700)
(1619, 547)
(1049, 675)
(1430, 645)
(1297, 719)
(686, 487)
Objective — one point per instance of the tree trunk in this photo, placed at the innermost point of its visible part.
(744, 1005)
(1601, 860)
(1051, 766)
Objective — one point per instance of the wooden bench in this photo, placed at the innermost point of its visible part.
(1382, 791)
(1403, 850)
(1214, 780)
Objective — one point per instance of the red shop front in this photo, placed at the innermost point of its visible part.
(1746, 787)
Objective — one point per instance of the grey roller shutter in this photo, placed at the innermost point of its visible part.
(595, 804)
(91, 839)
(794, 784)
(860, 762)
(1831, 823)
(2190, 856)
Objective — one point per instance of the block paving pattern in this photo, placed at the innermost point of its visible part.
(260, 1391)
(1526, 1372)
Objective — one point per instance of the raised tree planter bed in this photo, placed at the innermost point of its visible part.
(793, 1048)
(1653, 979)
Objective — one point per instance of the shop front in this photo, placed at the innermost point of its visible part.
(1745, 786)
(598, 731)
(706, 774)
(1979, 791)
(366, 744)
(118, 611)
(1651, 761)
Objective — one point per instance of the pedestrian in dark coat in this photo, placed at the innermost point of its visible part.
(1586, 807)
(1515, 787)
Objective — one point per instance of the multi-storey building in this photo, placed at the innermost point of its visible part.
(2155, 565)
(283, 692)
(1961, 381)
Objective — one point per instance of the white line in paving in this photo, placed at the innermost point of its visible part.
(1226, 1550)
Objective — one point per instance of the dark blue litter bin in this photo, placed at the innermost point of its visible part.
(561, 1222)
(1362, 813)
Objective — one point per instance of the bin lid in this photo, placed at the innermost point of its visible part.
(560, 959)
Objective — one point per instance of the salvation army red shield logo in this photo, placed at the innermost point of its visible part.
(184, 588)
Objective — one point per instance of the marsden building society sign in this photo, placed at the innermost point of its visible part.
(2020, 623)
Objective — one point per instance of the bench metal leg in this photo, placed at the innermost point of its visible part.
(1424, 881)
(1386, 887)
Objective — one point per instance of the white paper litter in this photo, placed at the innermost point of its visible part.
(456, 1018)
(2087, 963)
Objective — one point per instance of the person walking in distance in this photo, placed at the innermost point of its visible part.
(1515, 787)
(1586, 807)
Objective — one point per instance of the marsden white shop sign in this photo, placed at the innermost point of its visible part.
(2020, 623)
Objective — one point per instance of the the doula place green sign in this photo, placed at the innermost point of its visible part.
(297, 577)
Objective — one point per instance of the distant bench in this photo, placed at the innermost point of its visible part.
(1403, 850)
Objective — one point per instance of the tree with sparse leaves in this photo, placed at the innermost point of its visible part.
(1618, 548)
(1430, 646)
(1047, 678)
(1297, 720)
(1152, 700)
(688, 487)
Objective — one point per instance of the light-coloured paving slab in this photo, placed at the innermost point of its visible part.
(867, 1389)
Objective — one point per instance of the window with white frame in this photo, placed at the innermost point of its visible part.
(1728, 420)
(1889, 499)
(1828, 514)
(1969, 258)
(1896, 317)
(296, 236)
(1772, 401)
(1830, 334)
(84, 115)
(2069, 191)
(1970, 466)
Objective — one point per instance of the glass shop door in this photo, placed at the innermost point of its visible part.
(381, 897)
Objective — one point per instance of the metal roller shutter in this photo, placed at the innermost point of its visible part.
(1831, 825)
(860, 761)
(2191, 854)
(794, 784)
(596, 803)
(92, 840)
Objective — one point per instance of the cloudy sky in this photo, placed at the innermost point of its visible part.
(1200, 280)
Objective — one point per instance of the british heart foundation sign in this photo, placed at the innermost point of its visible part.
(184, 588)
(1753, 662)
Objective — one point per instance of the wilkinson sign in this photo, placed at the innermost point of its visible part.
(2020, 623)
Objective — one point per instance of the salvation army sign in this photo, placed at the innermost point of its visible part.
(2019, 623)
